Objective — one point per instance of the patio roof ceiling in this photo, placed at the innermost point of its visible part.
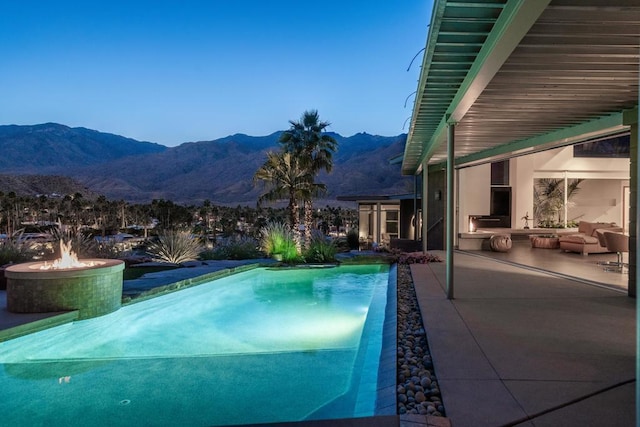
(522, 75)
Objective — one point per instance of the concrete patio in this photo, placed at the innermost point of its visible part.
(524, 347)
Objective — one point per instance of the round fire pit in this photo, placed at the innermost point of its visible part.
(93, 290)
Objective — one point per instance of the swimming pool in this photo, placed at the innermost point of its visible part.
(260, 346)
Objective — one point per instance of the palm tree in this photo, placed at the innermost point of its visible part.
(548, 196)
(314, 149)
(286, 179)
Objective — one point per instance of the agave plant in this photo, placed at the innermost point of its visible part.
(16, 250)
(175, 246)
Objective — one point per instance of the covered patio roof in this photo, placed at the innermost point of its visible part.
(519, 75)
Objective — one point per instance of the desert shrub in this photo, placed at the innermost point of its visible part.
(106, 249)
(277, 239)
(341, 244)
(235, 247)
(84, 245)
(174, 246)
(320, 249)
(14, 251)
(353, 239)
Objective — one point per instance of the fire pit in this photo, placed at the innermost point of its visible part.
(91, 286)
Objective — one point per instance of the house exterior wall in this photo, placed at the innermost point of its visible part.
(521, 180)
(407, 220)
(379, 222)
(434, 225)
(475, 193)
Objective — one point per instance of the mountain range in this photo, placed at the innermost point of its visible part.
(220, 170)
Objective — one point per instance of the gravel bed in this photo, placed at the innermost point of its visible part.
(417, 385)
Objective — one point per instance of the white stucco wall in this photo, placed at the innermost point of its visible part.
(475, 194)
(521, 179)
(598, 200)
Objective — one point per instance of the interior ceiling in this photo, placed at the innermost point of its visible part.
(520, 74)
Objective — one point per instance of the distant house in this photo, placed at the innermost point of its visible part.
(388, 221)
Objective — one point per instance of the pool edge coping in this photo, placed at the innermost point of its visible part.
(186, 283)
(386, 401)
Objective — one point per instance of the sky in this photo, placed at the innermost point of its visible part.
(171, 72)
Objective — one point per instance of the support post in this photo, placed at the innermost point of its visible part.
(415, 207)
(451, 127)
(566, 199)
(425, 204)
(378, 235)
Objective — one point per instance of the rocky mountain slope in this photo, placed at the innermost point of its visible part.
(220, 170)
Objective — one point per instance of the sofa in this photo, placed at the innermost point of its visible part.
(586, 241)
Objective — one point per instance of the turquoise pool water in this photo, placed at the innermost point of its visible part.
(261, 346)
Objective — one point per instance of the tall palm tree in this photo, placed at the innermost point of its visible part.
(286, 179)
(307, 141)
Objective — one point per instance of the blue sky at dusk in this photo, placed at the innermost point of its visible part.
(179, 71)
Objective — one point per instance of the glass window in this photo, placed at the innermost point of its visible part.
(500, 173)
(391, 223)
(615, 147)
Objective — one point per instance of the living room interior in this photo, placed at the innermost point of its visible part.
(507, 197)
(602, 195)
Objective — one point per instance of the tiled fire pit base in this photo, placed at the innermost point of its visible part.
(93, 291)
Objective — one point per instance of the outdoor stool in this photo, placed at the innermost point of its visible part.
(500, 242)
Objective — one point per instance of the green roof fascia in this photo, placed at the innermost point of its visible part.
(602, 126)
(437, 13)
(434, 28)
(396, 160)
(630, 117)
(517, 17)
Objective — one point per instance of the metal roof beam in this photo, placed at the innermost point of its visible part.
(510, 28)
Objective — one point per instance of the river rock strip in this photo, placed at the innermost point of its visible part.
(417, 388)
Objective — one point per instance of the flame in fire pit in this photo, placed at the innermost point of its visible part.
(68, 259)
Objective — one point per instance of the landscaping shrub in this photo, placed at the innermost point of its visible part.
(14, 251)
(320, 249)
(341, 244)
(175, 246)
(108, 249)
(86, 246)
(235, 247)
(277, 240)
(353, 240)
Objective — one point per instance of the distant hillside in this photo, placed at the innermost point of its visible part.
(36, 185)
(220, 170)
(52, 148)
